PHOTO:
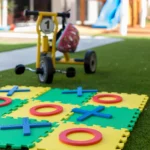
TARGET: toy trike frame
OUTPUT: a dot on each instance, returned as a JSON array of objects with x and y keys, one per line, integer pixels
[{"x": 45, "y": 65}]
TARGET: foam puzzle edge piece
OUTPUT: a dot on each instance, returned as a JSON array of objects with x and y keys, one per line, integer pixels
[{"x": 143, "y": 103}]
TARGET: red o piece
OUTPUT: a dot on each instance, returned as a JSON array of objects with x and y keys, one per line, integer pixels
[
  {"x": 34, "y": 109},
  {"x": 97, "y": 137},
  {"x": 7, "y": 101},
  {"x": 98, "y": 100}
]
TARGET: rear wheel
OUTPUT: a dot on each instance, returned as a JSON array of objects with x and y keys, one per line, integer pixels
[
  {"x": 90, "y": 62},
  {"x": 47, "y": 70}
]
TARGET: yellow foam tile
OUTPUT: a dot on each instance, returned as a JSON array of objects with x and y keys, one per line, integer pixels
[
  {"x": 113, "y": 139},
  {"x": 34, "y": 91},
  {"x": 129, "y": 100},
  {"x": 24, "y": 111}
]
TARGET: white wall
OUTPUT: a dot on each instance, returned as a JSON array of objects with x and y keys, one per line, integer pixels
[
  {"x": 72, "y": 4},
  {"x": 4, "y": 13},
  {"x": 57, "y": 5},
  {"x": 0, "y": 13},
  {"x": 124, "y": 17},
  {"x": 143, "y": 14},
  {"x": 148, "y": 13},
  {"x": 93, "y": 11}
]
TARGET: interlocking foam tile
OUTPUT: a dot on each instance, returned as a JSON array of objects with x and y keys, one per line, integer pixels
[
  {"x": 12, "y": 106},
  {"x": 113, "y": 139},
  {"x": 56, "y": 95},
  {"x": 115, "y": 131},
  {"x": 15, "y": 137},
  {"x": 121, "y": 117},
  {"x": 34, "y": 91},
  {"x": 25, "y": 111},
  {"x": 129, "y": 100}
]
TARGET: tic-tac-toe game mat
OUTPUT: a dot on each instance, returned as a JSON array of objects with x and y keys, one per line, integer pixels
[{"x": 41, "y": 118}]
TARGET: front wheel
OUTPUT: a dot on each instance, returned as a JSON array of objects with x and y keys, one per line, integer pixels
[
  {"x": 90, "y": 62},
  {"x": 47, "y": 70}
]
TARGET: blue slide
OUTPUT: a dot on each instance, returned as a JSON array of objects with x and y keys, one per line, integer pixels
[{"x": 109, "y": 15}]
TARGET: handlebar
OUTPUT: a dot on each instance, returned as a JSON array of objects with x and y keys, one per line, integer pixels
[
  {"x": 64, "y": 15},
  {"x": 31, "y": 13},
  {"x": 36, "y": 13}
]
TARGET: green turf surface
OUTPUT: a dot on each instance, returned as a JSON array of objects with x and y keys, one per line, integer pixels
[
  {"x": 132, "y": 37},
  {"x": 10, "y": 47},
  {"x": 122, "y": 67}
]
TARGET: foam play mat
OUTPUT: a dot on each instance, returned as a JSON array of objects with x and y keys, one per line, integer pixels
[{"x": 41, "y": 118}]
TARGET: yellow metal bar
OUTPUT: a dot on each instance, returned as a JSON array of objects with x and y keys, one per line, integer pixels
[
  {"x": 66, "y": 55},
  {"x": 54, "y": 41},
  {"x": 41, "y": 15},
  {"x": 45, "y": 45},
  {"x": 71, "y": 61},
  {"x": 47, "y": 14},
  {"x": 38, "y": 41}
]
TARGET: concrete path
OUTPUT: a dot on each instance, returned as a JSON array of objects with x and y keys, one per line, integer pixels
[{"x": 9, "y": 60}]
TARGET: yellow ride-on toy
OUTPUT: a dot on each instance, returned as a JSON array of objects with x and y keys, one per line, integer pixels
[{"x": 65, "y": 40}]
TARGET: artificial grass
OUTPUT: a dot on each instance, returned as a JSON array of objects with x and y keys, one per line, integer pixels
[
  {"x": 9, "y": 47},
  {"x": 111, "y": 35},
  {"x": 122, "y": 67}
]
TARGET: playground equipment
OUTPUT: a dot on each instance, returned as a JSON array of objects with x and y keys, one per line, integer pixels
[
  {"x": 112, "y": 13},
  {"x": 65, "y": 41},
  {"x": 109, "y": 15},
  {"x": 125, "y": 13}
]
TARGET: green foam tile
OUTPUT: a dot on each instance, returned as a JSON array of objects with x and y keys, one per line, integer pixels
[
  {"x": 121, "y": 117},
  {"x": 15, "y": 137},
  {"x": 54, "y": 95},
  {"x": 12, "y": 106}
]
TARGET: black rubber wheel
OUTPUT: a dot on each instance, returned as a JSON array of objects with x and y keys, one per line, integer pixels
[
  {"x": 70, "y": 72},
  {"x": 48, "y": 70},
  {"x": 90, "y": 62},
  {"x": 19, "y": 69}
]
